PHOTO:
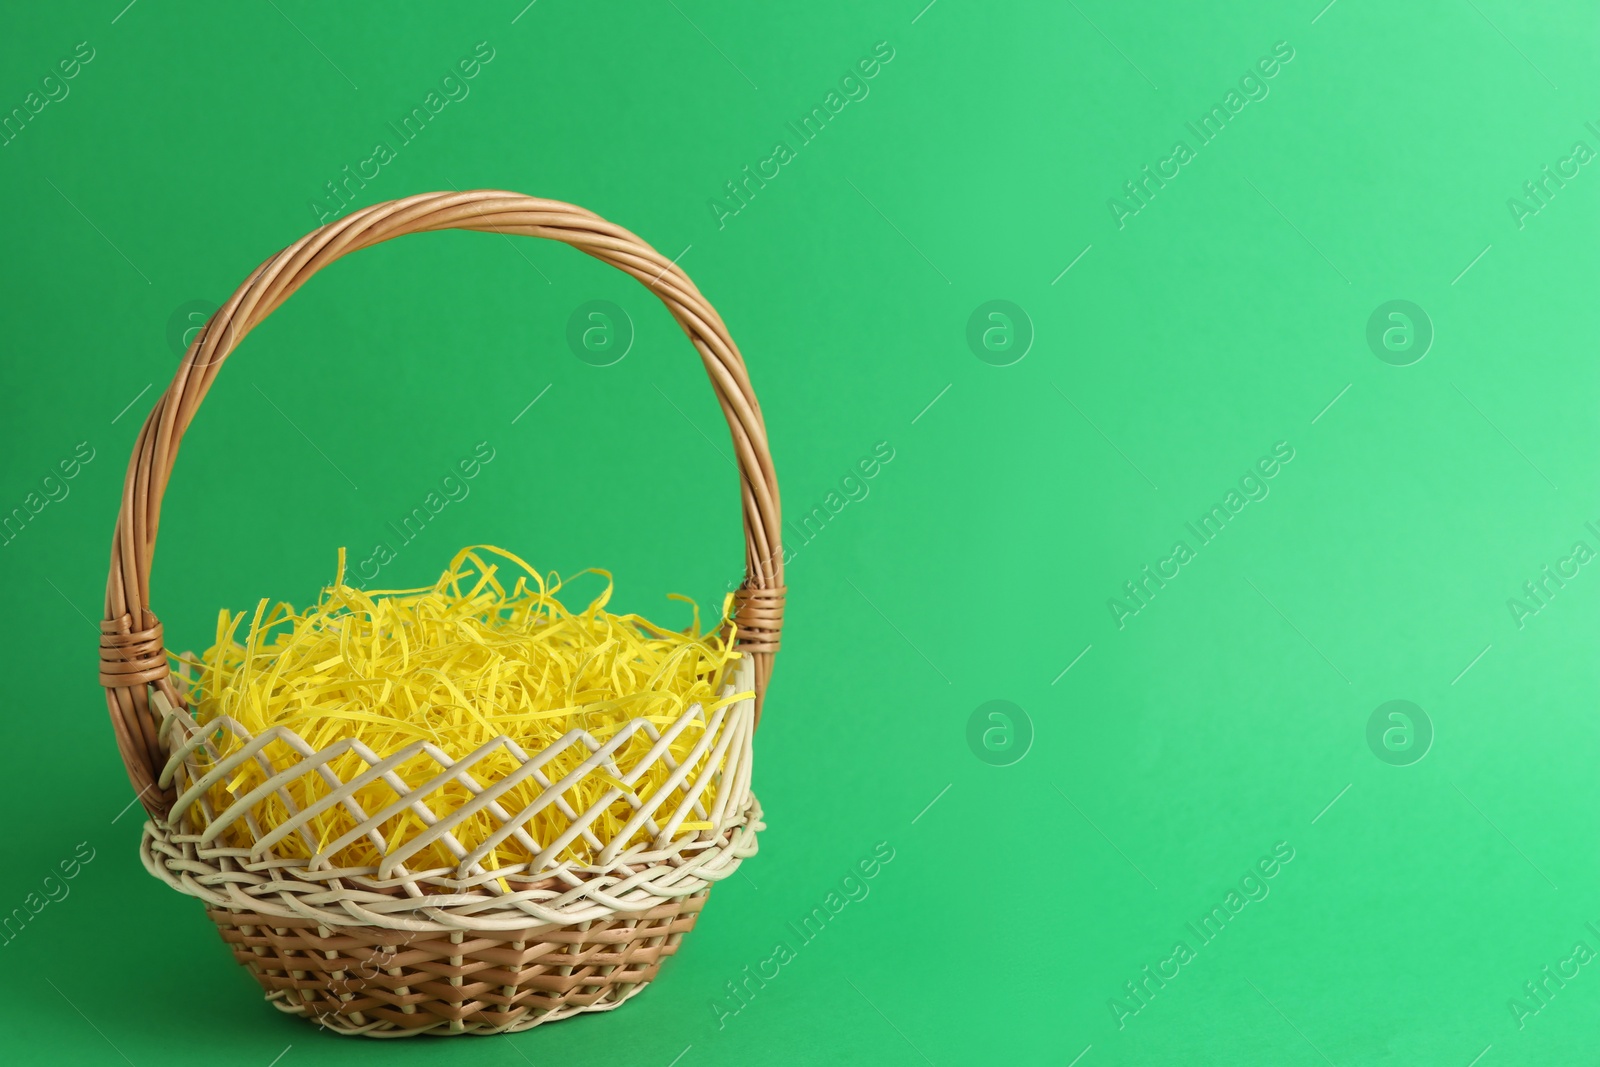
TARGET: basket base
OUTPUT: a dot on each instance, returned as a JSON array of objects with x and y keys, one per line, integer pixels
[{"x": 378, "y": 982}]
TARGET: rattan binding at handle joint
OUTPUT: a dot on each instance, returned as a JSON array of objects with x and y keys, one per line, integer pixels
[{"x": 132, "y": 658}]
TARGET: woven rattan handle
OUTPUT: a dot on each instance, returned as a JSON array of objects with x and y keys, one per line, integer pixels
[{"x": 132, "y": 656}]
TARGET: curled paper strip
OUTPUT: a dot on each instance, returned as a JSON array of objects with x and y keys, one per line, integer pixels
[{"x": 466, "y": 726}]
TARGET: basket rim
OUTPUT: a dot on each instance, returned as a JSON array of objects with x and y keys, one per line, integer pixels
[{"x": 339, "y": 899}]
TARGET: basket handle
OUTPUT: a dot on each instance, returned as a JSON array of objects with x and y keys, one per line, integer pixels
[{"x": 132, "y": 655}]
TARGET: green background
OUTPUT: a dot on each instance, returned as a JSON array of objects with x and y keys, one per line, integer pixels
[{"x": 1229, "y": 715}]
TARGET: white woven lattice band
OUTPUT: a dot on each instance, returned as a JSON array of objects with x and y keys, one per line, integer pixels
[{"x": 186, "y": 850}]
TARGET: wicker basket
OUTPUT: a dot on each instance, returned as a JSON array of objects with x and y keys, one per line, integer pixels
[{"x": 392, "y": 951}]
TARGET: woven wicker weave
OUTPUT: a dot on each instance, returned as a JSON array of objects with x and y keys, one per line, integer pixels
[{"x": 392, "y": 951}]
